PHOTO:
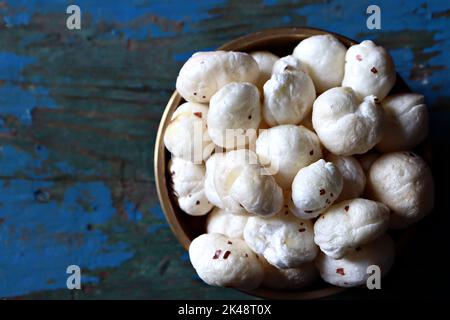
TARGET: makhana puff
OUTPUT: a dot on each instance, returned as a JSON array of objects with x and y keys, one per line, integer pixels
[
  {"x": 287, "y": 149},
  {"x": 210, "y": 187},
  {"x": 188, "y": 184},
  {"x": 288, "y": 63},
  {"x": 315, "y": 188},
  {"x": 284, "y": 240},
  {"x": 206, "y": 72},
  {"x": 352, "y": 174},
  {"x": 265, "y": 61},
  {"x": 242, "y": 184},
  {"x": 402, "y": 181},
  {"x": 234, "y": 115},
  {"x": 406, "y": 122},
  {"x": 369, "y": 70},
  {"x": 349, "y": 224},
  {"x": 227, "y": 223},
  {"x": 344, "y": 125},
  {"x": 352, "y": 270},
  {"x": 288, "y": 97},
  {"x": 227, "y": 262},
  {"x": 186, "y": 136},
  {"x": 324, "y": 56}
]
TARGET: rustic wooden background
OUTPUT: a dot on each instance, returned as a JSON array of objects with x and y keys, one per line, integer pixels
[{"x": 79, "y": 112}]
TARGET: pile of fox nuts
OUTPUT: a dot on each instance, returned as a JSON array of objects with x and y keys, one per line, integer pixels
[{"x": 302, "y": 163}]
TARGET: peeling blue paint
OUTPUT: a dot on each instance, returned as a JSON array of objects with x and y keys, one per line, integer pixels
[
  {"x": 20, "y": 102},
  {"x": 21, "y": 19},
  {"x": 133, "y": 213},
  {"x": 157, "y": 212},
  {"x": 15, "y": 99},
  {"x": 187, "y": 12},
  {"x": 11, "y": 65},
  {"x": 39, "y": 240},
  {"x": 154, "y": 228}
]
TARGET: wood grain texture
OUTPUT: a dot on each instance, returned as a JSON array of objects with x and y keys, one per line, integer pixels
[{"x": 79, "y": 112}]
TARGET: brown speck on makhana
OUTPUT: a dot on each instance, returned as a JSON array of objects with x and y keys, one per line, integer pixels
[
  {"x": 301, "y": 230},
  {"x": 226, "y": 254},
  {"x": 340, "y": 271},
  {"x": 229, "y": 242},
  {"x": 322, "y": 192},
  {"x": 217, "y": 254},
  {"x": 311, "y": 152},
  {"x": 346, "y": 208},
  {"x": 198, "y": 202},
  {"x": 374, "y": 70}
]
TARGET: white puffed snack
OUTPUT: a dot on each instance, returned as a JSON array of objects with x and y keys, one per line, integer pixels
[
  {"x": 402, "y": 181},
  {"x": 287, "y": 149},
  {"x": 206, "y": 72},
  {"x": 352, "y": 174},
  {"x": 406, "y": 122},
  {"x": 226, "y": 262},
  {"x": 288, "y": 63},
  {"x": 242, "y": 184},
  {"x": 188, "y": 180},
  {"x": 288, "y": 97},
  {"x": 315, "y": 188},
  {"x": 369, "y": 70},
  {"x": 349, "y": 224},
  {"x": 324, "y": 56},
  {"x": 293, "y": 278},
  {"x": 210, "y": 187},
  {"x": 234, "y": 115},
  {"x": 344, "y": 125},
  {"x": 227, "y": 223},
  {"x": 265, "y": 61},
  {"x": 353, "y": 269},
  {"x": 186, "y": 136},
  {"x": 221, "y": 170},
  {"x": 284, "y": 240}
]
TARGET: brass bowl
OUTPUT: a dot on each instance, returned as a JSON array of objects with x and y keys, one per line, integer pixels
[{"x": 281, "y": 42}]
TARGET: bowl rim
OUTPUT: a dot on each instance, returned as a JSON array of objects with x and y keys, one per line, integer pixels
[{"x": 160, "y": 160}]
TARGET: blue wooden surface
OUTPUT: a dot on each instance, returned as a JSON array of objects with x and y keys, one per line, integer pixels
[{"x": 79, "y": 112}]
